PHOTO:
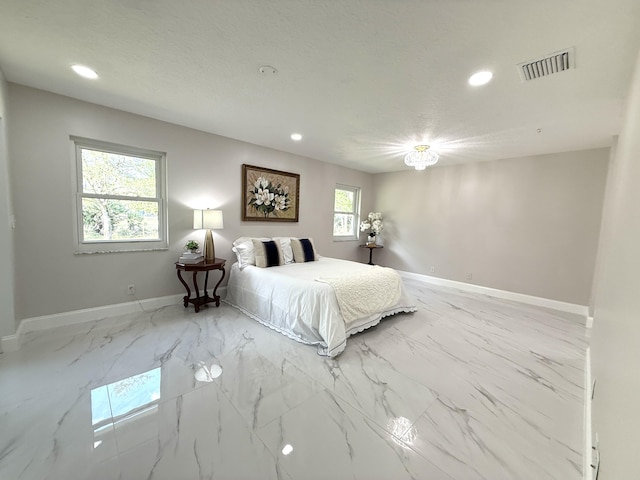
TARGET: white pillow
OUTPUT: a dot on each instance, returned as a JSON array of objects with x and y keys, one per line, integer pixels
[
  {"x": 244, "y": 254},
  {"x": 243, "y": 248},
  {"x": 240, "y": 240},
  {"x": 285, "y": 246}
]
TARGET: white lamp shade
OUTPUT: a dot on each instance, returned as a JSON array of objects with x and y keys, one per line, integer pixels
[{"x": 207, "y": 219}]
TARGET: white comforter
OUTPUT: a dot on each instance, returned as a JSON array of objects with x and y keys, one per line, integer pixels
[{"x": 290, "y": 300}]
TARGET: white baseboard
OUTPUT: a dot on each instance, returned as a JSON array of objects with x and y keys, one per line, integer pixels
[
  {"x": 493, "y": 292},
  {"x": 11, "y": 343}
]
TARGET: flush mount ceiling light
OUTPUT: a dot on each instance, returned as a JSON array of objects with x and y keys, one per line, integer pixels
[
  {"x": 296, "y": 136},
  {"x": 84, "y": 71},
  {"x": 480, "y": 78},
  {"x": 421, "y": 157}
]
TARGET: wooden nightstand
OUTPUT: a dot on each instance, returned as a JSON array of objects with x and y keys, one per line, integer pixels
[
  {"x": 198, "y": 300},
  {"x": 371, "y": 247}
]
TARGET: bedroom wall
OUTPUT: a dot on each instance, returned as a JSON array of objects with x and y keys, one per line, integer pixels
[
  {"x": 7, "y": 318},
  {"x": 606, "y": 232},
  {"x": 616, "y": 331},
  {"x": 204, "y": 170},
  {"x": 527, "y": 225}
]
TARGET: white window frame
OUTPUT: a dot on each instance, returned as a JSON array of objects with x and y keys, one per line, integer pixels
[
  {"x": 111, "y": 246},
  {"x": 355, "y": 212}
]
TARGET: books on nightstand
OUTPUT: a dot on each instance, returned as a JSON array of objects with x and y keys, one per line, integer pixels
[
  {"x": 190, "y": 260},
  {"x": 189, "y": 257}
]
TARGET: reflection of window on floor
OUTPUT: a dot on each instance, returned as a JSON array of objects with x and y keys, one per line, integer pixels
[{"x": 117, "y": 404}]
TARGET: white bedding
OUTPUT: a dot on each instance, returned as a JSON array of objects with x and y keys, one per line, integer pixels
[
  {"x": 290, "y": 300},
  {"x": 365, "y": 293}
]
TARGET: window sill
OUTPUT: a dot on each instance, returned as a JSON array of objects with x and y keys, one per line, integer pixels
[{"x": 159, "y": 249}]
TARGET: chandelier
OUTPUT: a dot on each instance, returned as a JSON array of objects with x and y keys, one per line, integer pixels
[{"x": 421, "y": 157}]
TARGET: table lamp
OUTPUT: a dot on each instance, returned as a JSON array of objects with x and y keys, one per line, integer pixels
[{"x": 208, "y": 219}]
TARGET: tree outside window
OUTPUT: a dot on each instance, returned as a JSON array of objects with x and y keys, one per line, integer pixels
[
  {"x": 345, "y": 216},
  {"x": 121, "y": 195}
]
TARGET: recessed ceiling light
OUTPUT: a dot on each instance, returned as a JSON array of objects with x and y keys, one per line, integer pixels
[
  {"x": 267, "y": 70},
  {"x": 296, "y": 136},
  {"x": 480, "y": 78},
  {"x": 84, "y": 71}
]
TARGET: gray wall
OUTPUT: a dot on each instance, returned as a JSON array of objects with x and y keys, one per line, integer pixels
[
  {"x": 7, "y": 318},
  {"x": 204, "y": 170},
  {"x": 527, "y": 225},
  {"x": 616, "y": 331}
]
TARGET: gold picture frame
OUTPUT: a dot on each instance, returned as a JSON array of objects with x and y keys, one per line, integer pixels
[{"x": 269, "y": 195}]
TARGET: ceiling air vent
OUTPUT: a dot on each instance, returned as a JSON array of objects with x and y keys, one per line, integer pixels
[{"x": 551, "y": 64}]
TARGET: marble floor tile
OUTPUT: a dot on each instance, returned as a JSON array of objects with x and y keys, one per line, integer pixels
[
  {"x": 468, "y": 387},
  {"x": 53, "y": 437},
  {"x": 260, "y": 391},
  {"x": 549, "y": 406},
  {"x": 367, "y": 382},
  {"x": 330, "y": 439},
  {"x": 472, "y": 445},
  {"x": 197, "y": 435}
]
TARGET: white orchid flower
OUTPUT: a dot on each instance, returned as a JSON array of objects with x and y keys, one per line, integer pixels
[{"x": 364, "y": 225}]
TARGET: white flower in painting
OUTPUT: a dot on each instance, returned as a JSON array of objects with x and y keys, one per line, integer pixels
[
  {"x": 280, "y": 202},
  {"x": 261, "y": 182},
  {"x": 268, "y": 197},
  {"x": 264, "y": 197}
]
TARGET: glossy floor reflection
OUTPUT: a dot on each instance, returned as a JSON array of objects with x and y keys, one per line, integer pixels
[{"x": 469, "y": 387}]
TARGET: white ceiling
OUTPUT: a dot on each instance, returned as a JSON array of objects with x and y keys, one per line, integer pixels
[{"x": 362, "y": 80}]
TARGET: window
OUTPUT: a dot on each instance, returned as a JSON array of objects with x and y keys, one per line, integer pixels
[
  {"x": 120, "y": 199},
  {"x": 345, "y": 213}
]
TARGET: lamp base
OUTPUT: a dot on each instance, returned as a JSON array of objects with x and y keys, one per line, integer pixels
[{"x": 209, "y": 249}]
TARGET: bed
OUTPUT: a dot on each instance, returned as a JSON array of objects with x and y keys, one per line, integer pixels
[{"x": 318, "y": 302}]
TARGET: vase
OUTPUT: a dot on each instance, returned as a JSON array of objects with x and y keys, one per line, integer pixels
[{"x": 371, "y": 239}]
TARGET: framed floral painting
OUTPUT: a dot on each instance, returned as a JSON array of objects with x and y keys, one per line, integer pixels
[{"x": 269, "y": 195}]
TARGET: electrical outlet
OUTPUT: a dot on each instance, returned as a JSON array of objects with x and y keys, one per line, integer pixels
[
  {"x": 131, "y": 290},
  {"x": 433, "y": 269},
  {"x": 469, "y": 276}
]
